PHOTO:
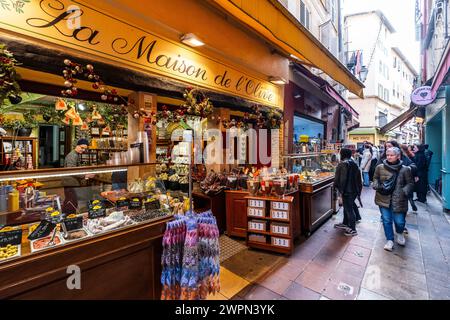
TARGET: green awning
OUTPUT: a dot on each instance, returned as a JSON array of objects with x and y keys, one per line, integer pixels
[{"x": 363, "y": 131}]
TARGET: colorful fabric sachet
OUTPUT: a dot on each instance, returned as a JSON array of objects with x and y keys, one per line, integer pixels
[{"x": 190, "y": 259}]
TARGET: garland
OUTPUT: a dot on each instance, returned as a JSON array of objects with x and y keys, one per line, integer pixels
[
  {"x": 196, "y": 104},
  {"x": 9, "y": 87},
  {"x": 73, "y": 69},
  {"x": 264, "y": 120}
]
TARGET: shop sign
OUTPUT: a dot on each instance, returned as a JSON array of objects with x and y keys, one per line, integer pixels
[
  {"x": 78, "y": 26},
  {"x": 362, "y": 138},
  {"x": 422, "y": 96},
  {"x": 10, "y": 236},
  {"x": 73, "y": 223},
  {"x": 43, "y": 229}
]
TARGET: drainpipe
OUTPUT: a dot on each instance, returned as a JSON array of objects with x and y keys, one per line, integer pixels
[
  {"x": 446, "y": 19},
  {"x": 340, "y": 33}
]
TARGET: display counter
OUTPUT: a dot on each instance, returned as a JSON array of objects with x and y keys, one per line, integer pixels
[
  {"x": 124, "y": 264},
  {"x": 316, "y": 172},
  {"x": 316, "y": 200},
  {"x": 65, "y": 228}
]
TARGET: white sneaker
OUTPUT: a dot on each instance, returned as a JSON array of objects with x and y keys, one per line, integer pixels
[
  {"x": 389, "y": 245},
  {"x": 401, "y": 239}
]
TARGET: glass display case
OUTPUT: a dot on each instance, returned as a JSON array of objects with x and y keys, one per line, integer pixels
[
  {"x": 42, "y": 210},
  {"x": 312, "y": 167}
]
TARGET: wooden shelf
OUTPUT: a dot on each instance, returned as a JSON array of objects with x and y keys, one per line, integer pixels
[
  {"x": 275, "y": 199},
  {"x": 292, "y": 206},
  {"x": 269, "y": 246},
  {"x": 268, "y": 233},
  {"x": 269, "y": 218}
]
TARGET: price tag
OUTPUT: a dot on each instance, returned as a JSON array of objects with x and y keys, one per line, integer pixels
[
  {"x": 95, "y": 213},
  {"x": 135, "y": 204},
  {"x": 256, "y": 203},
  {"x": 10, "y": 236},
  {"x": 281, "y": 242},
  {"x": 283, "y": 215},
  {"x": 122, "y": 202},
  {"x": 256, "y": 226},
  {"x": 280, "y": 206},
  {"x": 280, "y": 229},
  {"x": 152, "y": 204},
  {"x": 73, "y": 223},
  {"x": 254, "y": 212},
  {"x": 42, "y": 230}
]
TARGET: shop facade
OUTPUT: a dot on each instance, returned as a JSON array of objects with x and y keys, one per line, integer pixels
[
  {"x": 436, "y": 136},
  {"x": 151, "y": 69},
  {"x": 120, "y": 200}
]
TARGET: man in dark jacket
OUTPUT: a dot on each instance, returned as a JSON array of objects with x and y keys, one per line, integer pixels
[
  {"x": 421, "y": 185},
  {"x": 349, "y": 184}
]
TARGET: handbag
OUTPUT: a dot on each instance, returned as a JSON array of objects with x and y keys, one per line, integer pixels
[{"x": 388, "y": 185}]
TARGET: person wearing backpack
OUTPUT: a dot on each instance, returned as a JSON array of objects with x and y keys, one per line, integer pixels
[
  {"x": 393, "y": 183},
  {"x": 348, "y": 182}
]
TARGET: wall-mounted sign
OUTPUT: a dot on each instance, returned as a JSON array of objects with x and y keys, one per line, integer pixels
[
  {"x": 78, "y": 26},
  {"x": 422, "y": 96}
]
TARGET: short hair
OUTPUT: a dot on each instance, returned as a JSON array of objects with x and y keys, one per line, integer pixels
[
  {"x": 82, "y": 142},
  {"x": 395, "y": 150},
  {"x": 394, "y": 143},
  {"x": 346, "y": 153}
]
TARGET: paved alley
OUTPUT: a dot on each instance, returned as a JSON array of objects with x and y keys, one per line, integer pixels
[{"x": 329, "y": 265}]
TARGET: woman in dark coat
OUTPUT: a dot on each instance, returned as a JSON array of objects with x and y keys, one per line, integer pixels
[{"x": 421, "y": 185}]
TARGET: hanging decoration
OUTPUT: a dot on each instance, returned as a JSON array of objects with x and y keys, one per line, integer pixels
[
  {"x": 9, "y": 86},
  {"x": 271, "y": 119},
  {"x": 60, "y": 105},
  {"x": 196, "y": 104}
]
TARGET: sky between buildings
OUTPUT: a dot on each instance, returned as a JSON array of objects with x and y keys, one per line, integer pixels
[{"x": 401, "y": 14}]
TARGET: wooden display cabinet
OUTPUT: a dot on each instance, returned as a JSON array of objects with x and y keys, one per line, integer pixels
[
  {"x": 236, "y": 212},
  {"x": 317, "y": 204},
  {"x": 277, "y": 219}
]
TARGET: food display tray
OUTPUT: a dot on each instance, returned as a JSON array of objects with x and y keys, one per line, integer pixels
[
  {"x": 18, "y": 254},
  {"x": 58, "y": 234}
]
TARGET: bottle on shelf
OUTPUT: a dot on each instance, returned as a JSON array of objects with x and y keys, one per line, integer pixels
[
  {"x": 13, "y": 200},
  {"x": 3, "y": 199}
]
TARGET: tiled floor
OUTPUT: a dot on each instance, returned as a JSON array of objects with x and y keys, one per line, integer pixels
[{"x": 329, "y": 265}]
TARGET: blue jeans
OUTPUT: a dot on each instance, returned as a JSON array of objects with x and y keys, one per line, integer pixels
[
  {"x": 388, "y": 217},
  {"x": 366, "y": 179}
]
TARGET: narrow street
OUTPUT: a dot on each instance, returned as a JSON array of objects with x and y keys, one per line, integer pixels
[{"x": 330, "y": 265}]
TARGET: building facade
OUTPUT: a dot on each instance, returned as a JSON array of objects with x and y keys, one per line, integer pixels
[
  {"x": 305, "y": 100},
  {"x": 433, "y": 30},
  {"x": 389, "y": 82}
]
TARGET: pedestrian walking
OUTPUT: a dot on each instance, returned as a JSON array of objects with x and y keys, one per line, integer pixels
[
  {"x": 348, "y": 183},
  {"x": 428, "y": 157},
  {"x": 428, "y": 154},
  {"x": 407, "y": 159},
  {"x": 374, "y": 161},
  {"x": 421, "y": 185},
  {"x": 365, "y": 164},
  {"x": 393, "y": 183}
]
